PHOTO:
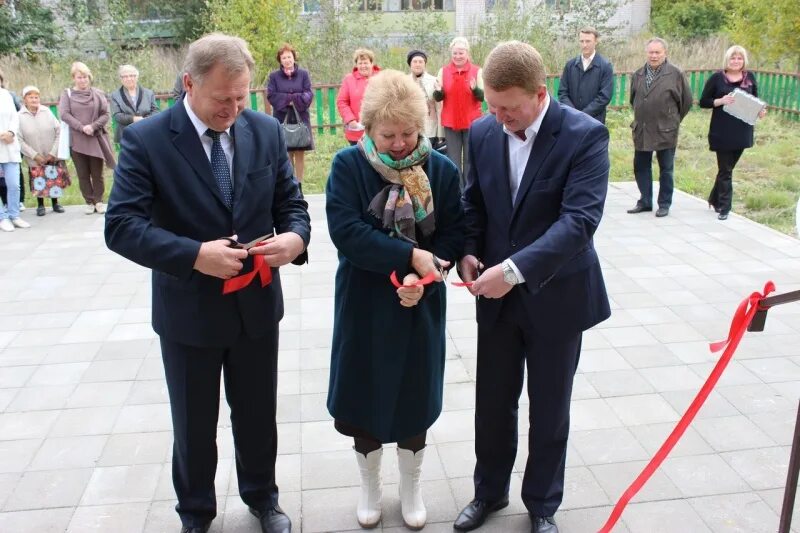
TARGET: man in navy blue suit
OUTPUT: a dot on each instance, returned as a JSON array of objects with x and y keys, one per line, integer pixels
[
  {"x": 533, "y": 200},
  {"x": 191, "y": 184}
]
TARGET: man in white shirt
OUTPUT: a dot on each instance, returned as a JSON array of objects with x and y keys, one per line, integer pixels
[{"x": 533, "y": 199}]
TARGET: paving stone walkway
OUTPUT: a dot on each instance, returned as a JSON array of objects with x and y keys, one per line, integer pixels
[{"x": 85, "y": 438}]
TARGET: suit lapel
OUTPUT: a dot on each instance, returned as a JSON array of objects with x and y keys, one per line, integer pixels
[
  {"x": 545, "y": 139},
  {"x": 242, "y": 149},
  {"x": 188, "y": 144},
  {"x": 497, "y": 144}
]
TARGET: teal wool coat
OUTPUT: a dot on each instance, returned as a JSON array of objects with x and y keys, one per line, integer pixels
[{"x": 387, "y": 361}]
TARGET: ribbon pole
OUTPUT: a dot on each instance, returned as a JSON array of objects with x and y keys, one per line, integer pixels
[{"x": 741, "y": 319}]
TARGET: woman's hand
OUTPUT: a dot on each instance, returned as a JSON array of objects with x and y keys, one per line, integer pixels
[
  {"x": 725, "y": 100},
  {"x": 762, "y": 113},
  {"x": 410, "y": 296},
  {"x": 7, "y": 137},
  {"x": 88, "y": 129},
  {"x": 423, "y": 262},
  {"x": 40, "y": 159}
]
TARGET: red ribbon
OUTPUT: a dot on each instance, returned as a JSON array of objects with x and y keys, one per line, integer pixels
[
  {"x": 427, "y": 280},
  {"x": 741, "y": 320},
  {"x": 461, "y": 283},
  {"x": 260, "y": 268}
]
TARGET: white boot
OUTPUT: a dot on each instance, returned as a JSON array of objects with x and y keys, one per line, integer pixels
[
  {"x": 369, "y": 503},
  {"x": 410, "y": 463}
]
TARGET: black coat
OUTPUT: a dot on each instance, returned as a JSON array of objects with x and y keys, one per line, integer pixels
[
  {"x": 726, "y": 133},
  {"x": 589, "y": 91}
]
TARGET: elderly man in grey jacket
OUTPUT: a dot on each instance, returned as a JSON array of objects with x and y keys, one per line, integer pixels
[{"x": 661, "y": 97}]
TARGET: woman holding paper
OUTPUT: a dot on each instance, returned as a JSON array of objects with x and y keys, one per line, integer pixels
[
  {"x": 728, "y": 136},
  {"x": 393, "y": 207}
]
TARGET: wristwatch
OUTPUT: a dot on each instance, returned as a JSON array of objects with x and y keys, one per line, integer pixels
[{"x": 509, "y": 276}]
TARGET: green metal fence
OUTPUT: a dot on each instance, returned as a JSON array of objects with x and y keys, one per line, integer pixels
[{"x": 781, "y": 90}]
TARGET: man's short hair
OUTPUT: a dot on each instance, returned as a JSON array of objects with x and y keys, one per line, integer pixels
[
  {"x": 658, "y": 40},
  {"x": 590, "y": 29},
  {"x": 514, "y": 64},
  {"x": 217, "y": 48},
  {"x": 392, "y": 96}
]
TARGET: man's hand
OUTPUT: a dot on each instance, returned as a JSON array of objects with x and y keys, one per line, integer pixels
[
  {"x": 469, "y": 269},
  {"x": 491, "y": 284},
  {"x": 88, "y": 129},
  {"x": 422, "y": 262},
  {"x": 218, "y": 259},
  {"x": 410, "y": 296},
  {"x": 281, "y": 249},
  {"x": 137, "y": 118}
]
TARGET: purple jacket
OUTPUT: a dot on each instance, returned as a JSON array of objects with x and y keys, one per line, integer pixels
[{"x": 282, "y": 89}]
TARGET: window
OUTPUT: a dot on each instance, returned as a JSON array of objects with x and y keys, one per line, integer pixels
[
  {"x": 422, "y": 5},
  {"x": 369, "y": 5},
  {"x": 310, "y": 6}
]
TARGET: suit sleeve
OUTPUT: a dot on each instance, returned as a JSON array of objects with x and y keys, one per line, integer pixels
[
  {"x": 581, "y": 210},
  {"x": 563, "y": 87},
  {"x": 473, "y": 204},
  {"x": 602, "y": 99},
  {"x": 129, "y": 230},
  {"x": 289, "y": 209},
  {"x": 361, "y": 243}
]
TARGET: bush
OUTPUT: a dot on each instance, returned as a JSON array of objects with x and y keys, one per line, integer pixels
[{"x": 689, "y": 18}]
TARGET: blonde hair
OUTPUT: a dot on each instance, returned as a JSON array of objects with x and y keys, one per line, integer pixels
[
  {"x": 459, "y": 42},
  {"x": 80, "y": 68},
  {"x": 514, "y": 64},
  {"x": 735, "y": 49},
  {"x": 363, "y": 53},
  {"x": 127, "y": 69},
  {"x": 217, "y": 48},
  {"x": 392, "y": 96}
]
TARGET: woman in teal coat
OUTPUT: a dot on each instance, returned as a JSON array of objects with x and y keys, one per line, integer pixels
[{"x": 393, "y": 206}]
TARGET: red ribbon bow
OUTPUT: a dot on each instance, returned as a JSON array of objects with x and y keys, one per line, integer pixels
[
  {"x": 260, "y": 268},
  {"x": 427, "y": 280},
  {"x": 741, "y": 320}
]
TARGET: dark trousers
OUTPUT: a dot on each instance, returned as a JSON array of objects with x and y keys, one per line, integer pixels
[
  {"x": 4, "y": 189},
  {"x": 504, "y": 349},
  {"x": 90, "y": 176},
  {"x": 250, "y": 374},
  {"x": 643, "y": 170},
  {"x": 721, "y": 196}
]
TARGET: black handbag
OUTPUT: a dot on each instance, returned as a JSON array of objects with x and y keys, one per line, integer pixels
[{"x": 298, "y": 136}]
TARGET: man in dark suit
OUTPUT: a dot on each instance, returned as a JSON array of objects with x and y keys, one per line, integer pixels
[
  {"x": 587, "y": 83},
  {"x": 531, "y": 214},
  {"x": 187, "y": 178}
]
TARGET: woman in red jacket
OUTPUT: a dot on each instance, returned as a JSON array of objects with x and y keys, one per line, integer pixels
[
  {"x": 460, "y": 89},
  {"x": 352, "y": 91}
]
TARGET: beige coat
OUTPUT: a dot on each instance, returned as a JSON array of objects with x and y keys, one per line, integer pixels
[
  {"x": 38, "y": 134},
  {"x": 659, "y": 110},
  {"x": 432, "y": 125}
]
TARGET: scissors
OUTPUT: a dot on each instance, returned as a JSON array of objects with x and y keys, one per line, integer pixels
[{"x": 233, "y": 243}]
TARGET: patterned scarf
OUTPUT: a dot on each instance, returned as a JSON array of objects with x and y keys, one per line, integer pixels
[
  {"x": 406, "y": 203},
  {"x": 745, "y": 82},
  {"x": 650, "y": 73}
]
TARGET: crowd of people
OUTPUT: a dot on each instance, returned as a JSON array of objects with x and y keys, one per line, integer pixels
[{"x": 513, "y": 206}]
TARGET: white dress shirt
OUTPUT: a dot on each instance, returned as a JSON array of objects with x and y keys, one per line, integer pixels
[
  {"x": 519, "y": 152},
  {"x": 587, "y": 61},
  {"x": 225, "y": 138}
]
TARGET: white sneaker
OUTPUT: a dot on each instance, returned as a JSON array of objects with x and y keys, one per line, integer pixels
[
  {"x": 21, "y": 206},
  {"x": 100, "y": 208},
  {"x": 90, "y": 209},
  {"x": 18, "y": 222},
  {"x": 6, "y": 225}
]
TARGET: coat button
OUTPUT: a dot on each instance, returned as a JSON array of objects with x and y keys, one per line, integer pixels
[{"x": 513, "y": 244}]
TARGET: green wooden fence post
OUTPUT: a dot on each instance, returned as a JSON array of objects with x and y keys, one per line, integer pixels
[
  {"x": 332, "y": 108},
  {"x": 320, "y": 111},
  {"x": 254, "y": 101}
]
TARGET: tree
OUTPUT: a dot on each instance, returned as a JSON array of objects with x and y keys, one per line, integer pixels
[
  {"x": 689, "y": 18},
  {"x": 768, "y": 29},
  {"x": 264, "y": 24},
  {"x": 26, "y": 28}
]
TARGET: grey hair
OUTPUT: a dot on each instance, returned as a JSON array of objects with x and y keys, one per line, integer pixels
[
  {"x": 658, "y": 40},
  {"x": 127, "y": 68},
  {"x": 217, "y": 48}
]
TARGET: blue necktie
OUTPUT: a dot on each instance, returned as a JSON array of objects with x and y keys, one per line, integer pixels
[{"x": 220, "y": 168}]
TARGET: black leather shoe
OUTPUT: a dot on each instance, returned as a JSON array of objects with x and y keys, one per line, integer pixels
[
  {"x": 662, "y": 212},
  {"x": 40, "y": 211},
  {"x": 474, "y": 515},
  {"x": 639, "y": 208},
  {"x": 201, "y": 529},
  {"x": 543, "y": 524},
  {"x": 57, "y": 208},
  {"x": 723, "y": 216},
  {"x": 273, "y": 520}
]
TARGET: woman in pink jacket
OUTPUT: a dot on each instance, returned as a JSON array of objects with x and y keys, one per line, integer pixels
[{"x": 352, "y": 91}]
